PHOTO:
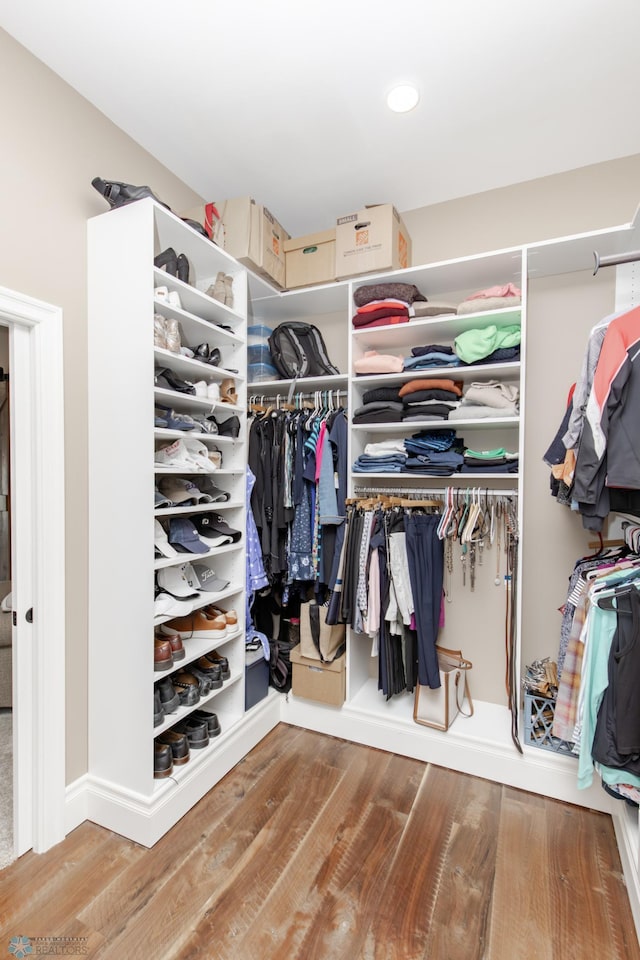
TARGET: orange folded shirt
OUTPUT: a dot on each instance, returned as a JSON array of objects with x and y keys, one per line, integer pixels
[{"x": 414, "y": 385}]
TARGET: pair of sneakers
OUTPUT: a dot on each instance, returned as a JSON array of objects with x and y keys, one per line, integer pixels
[
  {"x": 209, "y": 391},
  {"x": 222, "y": 289},
  {"x": 166, "y": 333}
]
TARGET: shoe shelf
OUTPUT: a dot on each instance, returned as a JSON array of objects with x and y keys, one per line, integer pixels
[
  {"x": 230, "y": 719},
  {"x": 194, "y": 648},
  {"x": 207, "y": 321},
  {"x": 199, "y": 508},
  {"x": 182, "y": 712},
  {"x": 191, "y": 369},
  {"x": 186, "y": 401},
  {"x": 231, "y": 591},
  {"x": 162, "y": 433},
  {"x": 186, "y": 557}
]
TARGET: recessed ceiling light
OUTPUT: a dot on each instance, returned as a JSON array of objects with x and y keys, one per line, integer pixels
[{"x": 402, "y": 98}]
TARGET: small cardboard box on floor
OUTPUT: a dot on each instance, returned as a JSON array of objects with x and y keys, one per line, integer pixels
[
  {"x": 310, "y": 259},
  {"x": 249, "y": 232},
  {"x": 314, "y": 680},
  {"x": 370, "y": 241}
]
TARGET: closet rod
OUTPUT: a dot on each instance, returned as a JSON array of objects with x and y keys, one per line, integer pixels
[
  {"x": 613, "y": 261},
  {"x": 432, "y": 490}
]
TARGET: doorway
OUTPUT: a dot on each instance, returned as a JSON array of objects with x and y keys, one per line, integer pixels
[{"x": 37, "y": 562}]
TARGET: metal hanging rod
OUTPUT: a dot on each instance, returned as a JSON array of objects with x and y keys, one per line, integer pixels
[
  {"x": 613, "y": 260},
  {"x": 439, "y": 491}
]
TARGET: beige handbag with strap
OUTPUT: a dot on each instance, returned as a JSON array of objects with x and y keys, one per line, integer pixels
[{"x": 438, "y": 708}]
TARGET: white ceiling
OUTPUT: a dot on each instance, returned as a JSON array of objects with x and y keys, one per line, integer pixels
[{"x": 285, "y": 99}]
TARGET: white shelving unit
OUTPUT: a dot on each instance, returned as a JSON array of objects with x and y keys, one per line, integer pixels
[{"x": 123, "y": 794}]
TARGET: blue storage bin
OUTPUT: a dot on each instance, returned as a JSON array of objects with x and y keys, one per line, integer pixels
[
  {"x": 256, "y": 678},
  {"x": 262, "y": 373},
  {"x": 258, "y": 333},
  {"x": 259, "y": 353}
]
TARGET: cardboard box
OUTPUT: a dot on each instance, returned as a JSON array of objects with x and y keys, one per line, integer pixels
[
  {"x": 314, "y": 680},
  {"x": 249, "y": 232},
  {"x": 370, "y": 241},
  {"x": 311, "y": 259}
]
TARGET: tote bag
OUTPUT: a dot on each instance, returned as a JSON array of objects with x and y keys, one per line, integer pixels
[
  {"x": 319, "y": 640},
  {"x": 439, "y": 708}
]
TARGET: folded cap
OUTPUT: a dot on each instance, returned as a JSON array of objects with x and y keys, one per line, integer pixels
[
  {"x": 178, "y": 581},
  {"x": 161, "y": 541},
  {"x": 161, "y": 501},
  {"x": 166, "y": 605},
  {"x": 215, "y": 530},
  {"x": 184, "y": 536},
  {"x": 212, "y": 493},
  {"x": 204, "y": 578},
  {"x": 180, "y": 490}
]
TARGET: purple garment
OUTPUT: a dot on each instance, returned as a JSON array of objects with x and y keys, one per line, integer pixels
[{"x": 256, "y": 576}]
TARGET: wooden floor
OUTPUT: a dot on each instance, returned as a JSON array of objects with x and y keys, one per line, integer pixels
[{"x": 314, "y": 847}]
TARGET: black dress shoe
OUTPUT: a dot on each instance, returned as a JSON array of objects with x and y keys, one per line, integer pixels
[
  {"x": 183, "y": 268},
  {"x": 211, "y": 720},
  {"x": 179, "y": 744},
  {"x": 196, "y": 731},
  {"x": 162, "y": 760},
  {"x": 209, "y": 680},
  {"x": 168, "y": 261},
  {"x": 168, "y": 697},
  {"x": 158, "y": 709},
  {"x": 212, "y": 669},
  {"x": 216, "y": 660},
  {"x": 168, "y": 381},
  {"x": 188, "y": 688}
]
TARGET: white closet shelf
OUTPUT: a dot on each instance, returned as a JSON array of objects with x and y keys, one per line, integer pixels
[
  {"x": 162, "y": 562},
  {"x": 195, "y": 301},
  {"x": 187, "y": 401},
  {"x": 190, "y": 368},
  {"x": 432, "y": 329},
  {"x": 199, "y": 508},
  {"x": 468, "y": 478},
  {"x": 181, "y": 472},
  {"x": 163, "y": 433},
  {"x": 503, "y": 371},
  {"x": 172, "y": 718},
  {"x": 302, "y": 384},
  {"x": 405, "y": 426},
  {"x": 205, "y": 322},
  {"x": 194, "y": 648},
  {"x": 216, "y": 598},
  {"x": 274, "y": 306}
]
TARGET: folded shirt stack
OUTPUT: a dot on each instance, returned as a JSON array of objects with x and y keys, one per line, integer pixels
[
  {"x": 436, "y": 453},
  {"x": 379, "y": 411},
  {"x": 405, "y": 292},
  {"x": 382, "y": 463},
  {"x": 479, "y": 343},
  {"x": 432, "y": 355},
  {"x": 430, "y": 399},
  {"x": 487, "y": 400},
  {"x": 379, "y": 313},
  {"x": 493, "y": 298},
  {"x": 490, "y": 461}
]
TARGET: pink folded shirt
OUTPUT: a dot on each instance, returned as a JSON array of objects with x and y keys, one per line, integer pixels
[
  {"x": 374, "y": 362},
  {"x": 508, "y": 290}
]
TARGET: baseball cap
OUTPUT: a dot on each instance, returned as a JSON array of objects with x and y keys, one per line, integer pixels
[
  {"x": 162, "y": 542},
  {"x": 181, "y": 490},
  {"x": 184, "y": 536},
  {"x": 161, "y": 501},
  {"x": 178, "y": 581},
  {"x": 204, "y": 578},
  {"x": 211, "y": 491},
  {"x": 215, "y": 530}
]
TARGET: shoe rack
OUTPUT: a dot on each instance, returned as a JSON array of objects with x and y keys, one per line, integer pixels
[{"x": 128, "y": 292}]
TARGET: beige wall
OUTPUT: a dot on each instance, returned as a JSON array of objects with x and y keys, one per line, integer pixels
[
  {"x": 600, "y": 195},
  {"x": 53, "y": 144}
]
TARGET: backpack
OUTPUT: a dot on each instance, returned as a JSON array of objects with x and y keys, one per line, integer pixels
[{"x": 298, "y": 350}]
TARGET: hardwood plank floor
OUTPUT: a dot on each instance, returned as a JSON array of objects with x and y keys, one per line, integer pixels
[{"x": 314, "y": 847}]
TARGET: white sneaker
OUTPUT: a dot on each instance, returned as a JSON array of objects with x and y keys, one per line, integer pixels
[
  {"x": 213, "y": 391},
  {"x": 168, "y": 296},
  {"x": 201, "y": 388}
]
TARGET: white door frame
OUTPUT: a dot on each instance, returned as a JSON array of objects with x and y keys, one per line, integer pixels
[{"x": 38, "y": 568}]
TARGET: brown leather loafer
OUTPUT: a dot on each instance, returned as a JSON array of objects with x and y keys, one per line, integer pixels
[
  {"x": 162, "y": 655},
  {"x": 162, "y": 760}
]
